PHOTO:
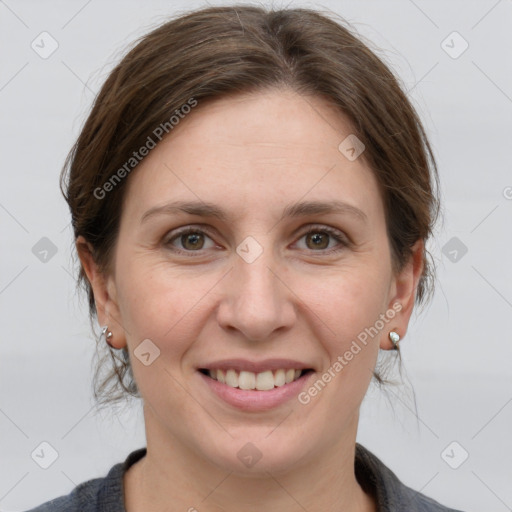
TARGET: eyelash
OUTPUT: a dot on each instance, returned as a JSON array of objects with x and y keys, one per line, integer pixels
[{"x": 334, "y": 233}]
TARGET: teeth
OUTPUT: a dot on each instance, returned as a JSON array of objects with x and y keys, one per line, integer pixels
[
  {"x": 280, "y": 378},
  {"x": 265, "y": 381},
  {"x": 246, "y": 380},
  {"x": 262, "y": 381},
  {"x": 232, "y": 378}
]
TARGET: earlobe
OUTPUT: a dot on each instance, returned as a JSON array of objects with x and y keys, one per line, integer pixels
[{"x": 405, "y": 287}]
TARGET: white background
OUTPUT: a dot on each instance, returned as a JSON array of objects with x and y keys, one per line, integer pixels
[{"x": 457, "y": 354}]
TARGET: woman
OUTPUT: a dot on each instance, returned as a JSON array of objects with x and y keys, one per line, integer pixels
[{"x": 251, "y": 196}]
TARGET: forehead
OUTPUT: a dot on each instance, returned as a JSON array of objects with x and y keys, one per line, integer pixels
[{"x": 251, "y": 151}]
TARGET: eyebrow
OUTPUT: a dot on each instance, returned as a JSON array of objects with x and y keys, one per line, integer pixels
[{"x": 302, "y": 209}]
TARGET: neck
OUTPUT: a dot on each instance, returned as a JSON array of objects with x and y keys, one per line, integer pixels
[{"x": 171, "y": 477}]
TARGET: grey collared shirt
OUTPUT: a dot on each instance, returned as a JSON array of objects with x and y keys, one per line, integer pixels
[{"x": 106, "y": 494}]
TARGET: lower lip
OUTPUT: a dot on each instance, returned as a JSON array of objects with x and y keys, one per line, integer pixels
[{"x": 254, "y": 400}]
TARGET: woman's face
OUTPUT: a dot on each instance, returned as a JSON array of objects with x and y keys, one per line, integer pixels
[{"x": 250, "y": 290}]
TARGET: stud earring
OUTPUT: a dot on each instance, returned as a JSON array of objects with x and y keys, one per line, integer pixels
[
  {"x": 108, "y": 335},
  {"x": 395, "y": 338}
]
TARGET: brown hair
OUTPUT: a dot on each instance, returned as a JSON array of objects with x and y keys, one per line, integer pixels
[{"x": 219, "y": 51}]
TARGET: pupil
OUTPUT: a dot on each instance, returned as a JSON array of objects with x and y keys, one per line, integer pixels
[
  {"x": 317, "y": 239},
  {"x": 193, "y": 237}
]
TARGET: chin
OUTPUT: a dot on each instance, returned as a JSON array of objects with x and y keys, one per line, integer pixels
[{"x": 255, "y": 453}]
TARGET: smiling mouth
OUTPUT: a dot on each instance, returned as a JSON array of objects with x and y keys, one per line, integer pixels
[{"x": 263, "y": 381}]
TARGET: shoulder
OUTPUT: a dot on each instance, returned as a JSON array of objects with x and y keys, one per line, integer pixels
[
  {"x": 82, "y": 498},
  {"x": 99, "y": 494},
  {"x": 390, "y": 493}
]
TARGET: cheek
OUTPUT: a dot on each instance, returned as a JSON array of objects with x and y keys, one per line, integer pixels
[
  {"x": 352, "y": 299},
  {"x": 158, "y": 306},
  {"x": 160, "y": 303},
  {"x": 350, "y": 307}
]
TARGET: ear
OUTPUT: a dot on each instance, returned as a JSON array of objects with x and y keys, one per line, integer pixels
[
  {"x": 403, "y": 291},
  {"x": 104, "y": 292}
]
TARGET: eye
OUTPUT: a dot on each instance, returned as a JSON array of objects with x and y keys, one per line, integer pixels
[
  {"x": 190, "y": 239},
  {"x": 318, "y": 238}
]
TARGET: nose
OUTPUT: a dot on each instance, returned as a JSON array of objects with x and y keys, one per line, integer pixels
[{"x": 256, "y": 299}]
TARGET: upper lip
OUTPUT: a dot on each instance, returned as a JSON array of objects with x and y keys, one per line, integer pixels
[{"x": 255, "y": 366}]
